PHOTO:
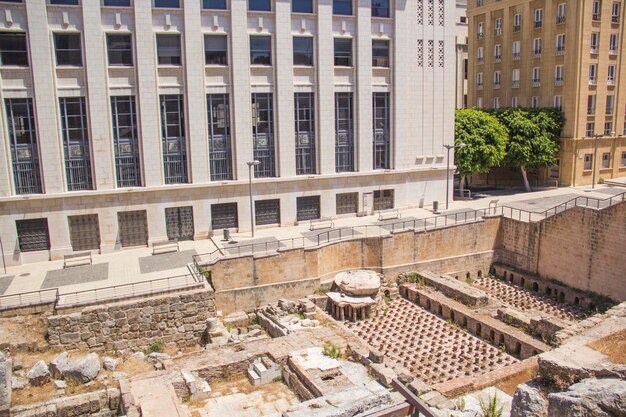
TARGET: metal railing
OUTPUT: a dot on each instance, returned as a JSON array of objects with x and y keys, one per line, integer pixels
[{"x": 27, "y": 299}]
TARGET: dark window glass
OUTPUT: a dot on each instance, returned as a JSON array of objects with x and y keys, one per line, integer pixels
[
  {"x": 380, "y": 8},
  {"x": 342, "y": 7},
  {"x": 120, "y": 49},
  {"x": 68, "y": 50},
  {"x": 304, "y": 106},
  {"x": 215, "y": 50},
  {"x": 13, "y": 50},
  {"x": 260, "y": 5},
  {"x": 220, "y": 154},
  {"x": 382, "y": 137},
  {"x": 302, "y": 6},
  {"x": 308, "y": 208},
  {"x": 302, "y": 50},
  {"x": 174, "y": 4},
  {"x": 117, "y": 3},
  {"x": 260, "y": 50},
  {"x": 263, "y": 135},
  {"x": 343, "y": 52},
  {"x": 23, "y": 145},
  {"x": 380, "y": 53},
  {"x": 173, "y": 136},
  {"x": 125, "y": 141},
  {"x": 344, "y": 133},
  {"x": 214, "y": 4},
  {"x": 11, "y": 1},
  {"x": 168, "y": 49},
  {"x": 65, "y": 2},
  {"x": 76, "y": 143}
]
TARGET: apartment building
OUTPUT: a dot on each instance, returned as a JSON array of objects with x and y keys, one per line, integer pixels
[
  {"x": 127, "y": 122},
  {"x": 462, "y": 61},
  {"x": 557, "y": 53}
]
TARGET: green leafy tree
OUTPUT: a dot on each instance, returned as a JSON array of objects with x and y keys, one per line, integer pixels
[
  {"x": 533, "y": 137},
  {"x": 485, "y": 142}
]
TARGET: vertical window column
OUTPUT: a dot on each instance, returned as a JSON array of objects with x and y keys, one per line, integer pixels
[
  {"x": 220, "y": 149},
  {"x": 263, "y": 135},
  {"x": 173, "y": 136},
  {"x": 76, "y": 143},
  {"x": 344, "y": 133},
  {"x": 125, "y": 141},
  {"x": 23, "y": 146},
  {"x": 304, "y": 105},
  {"x": 382, "y": 135}
]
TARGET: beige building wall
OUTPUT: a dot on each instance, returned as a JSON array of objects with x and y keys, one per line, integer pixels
[
  {"x": 419, "y": 80},
  {"x": 571, "y": 91}
]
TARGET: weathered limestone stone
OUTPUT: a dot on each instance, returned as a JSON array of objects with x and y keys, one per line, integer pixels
[
  {"x": 38, "y": 374},
  {"x": 83, "y": 370},
  {"x": 110, "y": 364},
  {"x": 590, "y": 398},
  {"x": 528, "y": 400},
  {"x": 6, "y": 369},
  {"x": 58, "y": 364},
  {"x": 140, "y": 356},
  {"x": 358, "y": 283}
]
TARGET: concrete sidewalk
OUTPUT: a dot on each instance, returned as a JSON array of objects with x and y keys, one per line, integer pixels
[{"x": 126, "y": 266}]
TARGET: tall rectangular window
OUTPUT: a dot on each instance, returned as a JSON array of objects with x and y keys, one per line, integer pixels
[
  {"x": 23, "y": 145},
  {"x": 609, "y": 105},
  {"x": 561, "y": 13},
  {"x": 173, "y": 137},
  {"x": 517, "y": 22},
  {"x": 560, "y": 44},
  {"x": 611, "y": 75},
  {"x": 116, "y": 3},
  {"x": 220, "y": 148},
  {"x": 590, "y": 130},
  {"x": 344, "y": 133},
  {"x": 168, "y": 49},
  {"x": 120, "y": 49},
  {"x": 382, "y": 131},
  {"x": 613, "y": 44},
  {"x": 67, "y": 47},
  {"x": 606, "y": 160},
  {"x": 615, "y": 12},
  {"x": 125, "y": 141},
  {"x": 64, "y": 2},
  {"x": 558, "y": 102},
  {"x": 76, "y": 143},
  {"x": 595, "y": 42},
  {"x": 215, "y": 50},
  {"x": 380, "y": 53},
  {"x": 260, "y": 50},
  {"x": 342, "y": 7},
  {"x": 343, "y": 52},
  {"x": 537, "y": 47},
  {"x": 538, "y": 18},
  {"x": 304, "y": 106},
  {"x": 517, "y": 50},
  {"x": 302, "y": 6},
  {"x": 169, "y": 4},
  {"x": 380, "y": 8},
  {"x": 593, "y": 74},
  {"x": 33, "y": 235},
  {"x": 214, "y": 4},
  {"x": 260, "y": 5},
  {"x": 595, "y": 10},
  {"x": 13, "y": 49},
  {"x": 591, "y": 105},
  {"x": 263, "y": 135},
  {"x": 303, "y": 50},
  {"x": 608, "y": 129}
]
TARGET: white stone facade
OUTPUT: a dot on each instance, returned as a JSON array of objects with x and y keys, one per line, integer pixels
[{"x": 420, "y": 80}]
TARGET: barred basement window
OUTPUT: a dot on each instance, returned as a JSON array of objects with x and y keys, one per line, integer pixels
[
  {"x": 381, "y": 131},
  {"x": 347, "y": 203},
  {"x": 304, "y": 106},
  {"x": 267, "y": 212},
  {"x": 33, "y": 235},
  {"x": 263, "y": 135},
  {"x": 383, "y": 200},
  {"x": 308, "y": 208},
  {"x": 23, "y": 145},
  {"x": 76, "y": 143},
  {"x": 173, "y": 137},
  {"x": 13, "y": 49},
  {"x": 224, "y": 216},
  {"x": 344, "y": 133},
  {"x": 220, "y": 150},
  {"x": 125, "y": 141}
]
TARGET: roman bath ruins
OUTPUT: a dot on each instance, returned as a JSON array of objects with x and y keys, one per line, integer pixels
[{"x": 485, "y": 314}]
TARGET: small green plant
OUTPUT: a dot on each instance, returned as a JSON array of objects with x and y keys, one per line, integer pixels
[
  {"x": 601, "y": 180},
  {"x": 509, "y": 320},
  {"x": 470, "y": 280},
  {"x": 387, "y": 298},
  {"x": 460, "y": 403},
  {"x": 206, "y": 274},
  {"x": 453, "y": 323},
  {"x": 502, "y": 347},
  {"x": 301, "y": 315},
  {"x": 416, "y": 279},
  {"x": 490, "y": 407},
  {"x": 528, "y": 286},
  {"x": 331, "y": 351},
  {"x": 155, "y": 347}
]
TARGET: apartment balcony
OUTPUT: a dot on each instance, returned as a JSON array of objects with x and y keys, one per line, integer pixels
[
  {"x": 538, "y": 24},
  {"x": 537, "y": 53},
  {"x": 560, "y": 20},
  {"x": 480, "y": 35},
  {"x": 615, "y": 20},
  {"x": 595, "y": 17},
  {"x": 613, "y": 52},
  {"x": 479, "y": 86},
  {"x": 593, "y": 81},
  {"x": 517, "y": 28},
  {"x": 480, "y": 60},
  {"x": 610, "y": 82},
  {"x": 496, "y": 86},
  {"x": 608, "y": 111},
  {"x": 560, "y": 50},
  {"x": 497, "y": 31},
  {"x": 591, "y": 111},
  {"x": 517, "y": 56},
  {"x": 497, "y": 58},
  {"x": 558, "y": 82},
  {"x": 594, "y": 50},
  {"x": 536, "y": 83},
  {"x": 515, "y": 84}
]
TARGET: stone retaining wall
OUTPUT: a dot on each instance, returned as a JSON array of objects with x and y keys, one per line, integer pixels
[
  {"x": 104, "y": 403},
  {"x": 176, "y": 320}
]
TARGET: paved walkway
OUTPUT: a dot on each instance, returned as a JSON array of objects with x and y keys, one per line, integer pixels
[
  {"x": 156, "y": 398},
  {"x": 138, "y": 265}
]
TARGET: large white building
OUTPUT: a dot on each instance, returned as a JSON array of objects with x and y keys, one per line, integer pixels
[{"x": 127, "y": 122}]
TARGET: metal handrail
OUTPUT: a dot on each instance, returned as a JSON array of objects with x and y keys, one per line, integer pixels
[{"x": 27, "y": 299}]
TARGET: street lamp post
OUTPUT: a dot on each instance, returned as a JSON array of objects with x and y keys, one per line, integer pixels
[
  {"x": 448, "y": 147},
  {"x": 250, "y": 165}
]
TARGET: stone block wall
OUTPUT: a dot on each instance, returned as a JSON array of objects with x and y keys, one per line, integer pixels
[
  {"x": 177, "y": 319},
  {"x": 103, "y": 403}
]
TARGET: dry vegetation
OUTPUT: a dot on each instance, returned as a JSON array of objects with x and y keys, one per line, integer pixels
[{"x": 613, "y": 346}]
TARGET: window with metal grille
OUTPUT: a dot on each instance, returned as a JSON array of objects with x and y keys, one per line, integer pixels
[
  {"x": 382, "y": 135},
  {"x": 304, "y": 106},
  {"x": 23, "y": 145},
  {"x": 263, "y": 135},
  {"x": 33, "y": 235},
  {"x": 383, "y": 199},
  {"x": 267, "y": 212},
  {"x": 125, "y": 141},
  {"x": 308, "y": 208},
  {"x": 133, "y": 228},
  {"x": 220, "y": 150},
  {"x": 68, "y": 49},
  {"x": 344, "y": 136},
  {"x": 84, "y": 232},
  {"x": 179, "y": 223},
  {"x": 347, "y": 203},
  {"x": 215, "y": 50},
  {"x": 76, "y": 143},
  {"x": 168, "y": 49},
  {"x": 224, "y": 216},
  {"x": 120, "y": 49},
  {"x": 13, "y": 49},
  {"x": 173, "y": 135}
]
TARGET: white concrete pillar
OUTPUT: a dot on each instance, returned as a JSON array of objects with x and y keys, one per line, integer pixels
[
  {"x": 325, "y": 100},
  {"x": 363, "y": 91}
]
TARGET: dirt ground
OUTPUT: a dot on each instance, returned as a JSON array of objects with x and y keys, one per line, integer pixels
[
  {"x": 23, "y": 330},
  {"x": 613, "y": 346}
]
